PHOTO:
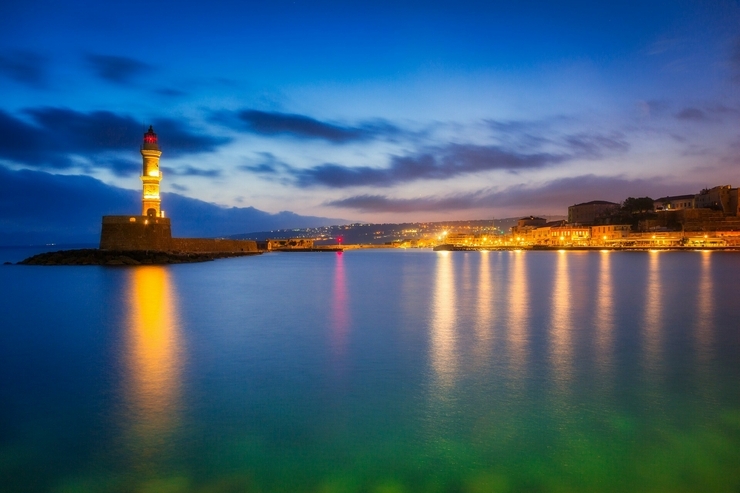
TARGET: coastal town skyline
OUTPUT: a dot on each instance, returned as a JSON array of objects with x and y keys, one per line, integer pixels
[{"x": 377, "y": 114}]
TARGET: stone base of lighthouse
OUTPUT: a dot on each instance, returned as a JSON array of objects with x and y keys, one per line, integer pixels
[
  {"x": 155, "y": 233},
  {"x": 136, "y": 233}
]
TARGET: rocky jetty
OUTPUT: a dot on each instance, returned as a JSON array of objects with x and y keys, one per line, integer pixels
[{"x": 92, "y": 256}]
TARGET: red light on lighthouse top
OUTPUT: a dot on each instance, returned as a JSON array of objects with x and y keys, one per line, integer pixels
[{"x": 150, "y": 139}]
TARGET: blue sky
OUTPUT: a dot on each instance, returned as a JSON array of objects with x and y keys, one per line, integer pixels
[{"x": 378, "y": 111}]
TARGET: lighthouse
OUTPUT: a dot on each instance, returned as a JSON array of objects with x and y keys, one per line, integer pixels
[
  {"x": 151, "y": 231},
  {"x": 151, "y": 175}
]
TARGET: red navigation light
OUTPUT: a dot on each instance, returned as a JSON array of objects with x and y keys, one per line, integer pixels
[
  {"x": 150, "y": 137},
  {"x": 339, "y": 239}
]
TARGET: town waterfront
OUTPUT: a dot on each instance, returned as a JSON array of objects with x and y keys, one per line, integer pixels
[{"x": 374, "y": 371}]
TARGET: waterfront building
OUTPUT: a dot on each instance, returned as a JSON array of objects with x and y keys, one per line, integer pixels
[
  {"x": 675, "y": 203},
  {"x": 527, "y": 224},
  {"x": 289, "y": 244},
  {"x": 570, "y": 235},
  {"x": 587, "y": 212},
  {"x": 610, "y": 234},
  {"x": 722, "y": 198}
]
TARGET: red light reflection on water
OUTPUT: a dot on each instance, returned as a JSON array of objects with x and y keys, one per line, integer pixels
[{"x": 339, "y": 309}]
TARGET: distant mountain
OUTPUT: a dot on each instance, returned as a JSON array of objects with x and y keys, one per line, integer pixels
[
  {"x": 38, "y": 208},
  {"x": 379, "y": 233}
]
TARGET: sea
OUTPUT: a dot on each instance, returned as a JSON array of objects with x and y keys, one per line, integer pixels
[{"x": 381, "y": 371}]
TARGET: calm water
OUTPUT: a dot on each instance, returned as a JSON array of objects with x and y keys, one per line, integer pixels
[{"x": 374, "y": 371}]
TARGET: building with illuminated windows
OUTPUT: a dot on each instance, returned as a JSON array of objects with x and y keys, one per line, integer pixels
[{"x": 588, "y": 212}]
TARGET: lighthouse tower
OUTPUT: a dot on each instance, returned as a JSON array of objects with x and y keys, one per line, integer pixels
[{"x": 151, "y": 175}]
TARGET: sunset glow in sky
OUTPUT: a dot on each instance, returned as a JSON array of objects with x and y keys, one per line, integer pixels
[{"x": 380, "y": 112}]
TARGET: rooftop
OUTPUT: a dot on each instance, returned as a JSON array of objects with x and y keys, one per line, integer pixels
[{"x": 596, "y": 202}]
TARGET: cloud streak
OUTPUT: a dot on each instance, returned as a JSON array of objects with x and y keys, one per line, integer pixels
[
  {"x": 25, "y": 67},
  {"x": 117, "y": 69},
  {"x": 436, "y": 164},
  {"x": 553, "y": 195},
  {"x": 453, "y": 160},
  {"x": 193, "y": 171},
  {"x": 58, "y": 135},
  {"x": 304, "y": 127}
]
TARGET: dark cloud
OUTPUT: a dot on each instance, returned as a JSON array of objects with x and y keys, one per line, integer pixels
[
  {"x": 709, "y": 113},
  {"x": 596, "y": 145},
  {"x": 120, "y": 167},
  {"x": 530, "y": 135},
  {"x": 692, "y": 114},
  {"x": 178, "y": 187},
  {"x": 519, "y": 127},
  {"x": 437, "y": 164},
  {"x": 117, "y": 69},
  {"x": 193, "y": 171},
  {"x": 25, "y": 67},
  {"x": 260, "y": 169},
  {"x": 177, "y": 139},
  {"x": 57, "y": 134},
  {"x": 555, "y": 195},
  {"x": 303, "y": 127},
  {"x": 381, "y": 203},
  {"x": 267, "y": 164},
  {"x": 28, "y": 144}
]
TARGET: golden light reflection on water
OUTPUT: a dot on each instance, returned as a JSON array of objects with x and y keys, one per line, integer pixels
[
  {"x": 339, "y": 309},
  {"x": 604, "y": 314},
  {"x": 483, "y": 327},
  {"x": 561, "y": 325},
  {"x": 518, "y": 315},
  {"x": 705, "y": 309},
  {"x": 706, "y": 379},
  {"x": 443, "y": 337},
  {"x": 153, "y": 362},
  {"x": 653, "y": 313}
]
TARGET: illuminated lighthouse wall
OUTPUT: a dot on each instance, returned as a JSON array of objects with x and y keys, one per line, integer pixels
[{"x": 151, "y": 175}]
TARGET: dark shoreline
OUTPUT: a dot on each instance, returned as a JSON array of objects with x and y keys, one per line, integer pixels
[{"x": 94, "y": 256}]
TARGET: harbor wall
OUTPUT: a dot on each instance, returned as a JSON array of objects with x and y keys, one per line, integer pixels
[
  {"x": 155, "y": 233},
  {"x": 204, "y": 245}
]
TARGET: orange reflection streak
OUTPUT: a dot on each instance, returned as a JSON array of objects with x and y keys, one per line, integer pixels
[
  {"x": 518, "y": 315},
  {"x": 705, "y": 309},
  {"x": 560, "y": 331},
  {"x": 653, "y": 313},
  {"x": 483, "y": 329},
  {"x": 604, "y": 314},
  {"x": 153, "y": 357},
  {"x": 340, "y": 310},
  {"x": 443, "y": 323}
]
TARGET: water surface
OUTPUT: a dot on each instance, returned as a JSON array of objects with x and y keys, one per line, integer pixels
[{"x": 374, "y": 371}]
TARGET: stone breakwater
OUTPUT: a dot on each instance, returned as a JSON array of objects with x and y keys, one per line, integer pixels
[{"x": 129, "y": 257}]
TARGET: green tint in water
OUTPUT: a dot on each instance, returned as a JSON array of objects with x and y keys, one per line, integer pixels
[{"x": 395, "y": 371}]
